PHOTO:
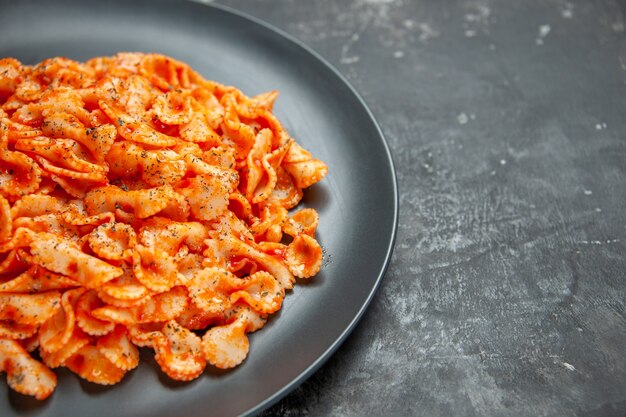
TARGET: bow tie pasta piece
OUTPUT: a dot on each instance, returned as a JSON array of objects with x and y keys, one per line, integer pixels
[
  {"x": 154, "y": 268},
  {"x": 142, "y": 205},
  {"x": 179, "y": 352},
  {"x": 118, "y": 348},
  {"x": 173, "y": 107},
  {"x": 134, "y": 129},
  {"x": 164, "y": 72},
  {"x": 226, "y": 247},
  {"x": 21, "y": 237},
  {"x": 63, "y": 72},
  {"x": 230, "y": 224},
  {"x": 91, "y": 325},
  {"x": 94, "y": 366},
  {"x": 198, "y": 129},
  {"x": 235, "y": 134},
  {"x": 19, "y": 174},
  {"x": 63, "y": 157},
  {"x": 6, "y": 224},
  {"x": 16, "y": 331},
  {"x": 285, "y": 194},
  {"x": 19, "y": 131},
  {"x": 74, "y": 213},
  {"x": 304, "y": 221},
  {"x": 64, "y": 257},
  {"x": 156, "y": 167},
  {"x": 36, "y": 205},
  {"x": 261, "y": 178},
  {"x": 22, "y": 314},
  {"x": 213, "y": 290},
  {"x": 24, "y": 374},
  {"x": 168, "y": 235},
  {"x": 269, "y": 226},
  {"x": 196, "y": 318},
  {"x": 11, "y": 70},
  {"x": 304, "y": 169},
  {"x": 261, "y": 292},
  {"x": 136, "y": 94},
  {"x": 209, "y": 290},
  {"x": 125, "y": 290},
  {"x": 158, "y": 308},
  {"x": 57, "y": 358},
  {"x": 59, "y": 328},
  {"x": 227, "y": 346},
  {"x": 50, "y": 223},
  {"x": 29, "y": 309},
  {"x": 207, "y": 195},
  {"x": 37, "y": 279},
  {"x": 304, "y": 256},
  {"x": 113, "y": 241}
]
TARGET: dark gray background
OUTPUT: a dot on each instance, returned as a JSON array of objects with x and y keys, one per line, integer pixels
[{"x": 506, "y": 119}]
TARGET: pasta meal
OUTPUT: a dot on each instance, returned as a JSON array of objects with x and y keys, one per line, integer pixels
[{"x": 142, "y": 205}]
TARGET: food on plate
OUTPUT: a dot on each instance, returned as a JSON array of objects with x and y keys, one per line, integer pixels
[{"x": 142, "y": 205}]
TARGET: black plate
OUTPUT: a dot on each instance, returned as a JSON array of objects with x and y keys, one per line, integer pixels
[{"x": 357, "y": 201}]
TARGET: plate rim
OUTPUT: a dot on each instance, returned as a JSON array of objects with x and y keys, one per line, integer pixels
[{"x": 326, "y": 355}]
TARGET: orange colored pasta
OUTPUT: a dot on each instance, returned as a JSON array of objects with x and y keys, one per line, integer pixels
[{"x": 142, "y": 206}]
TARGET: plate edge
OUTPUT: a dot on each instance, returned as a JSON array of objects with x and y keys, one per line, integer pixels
[{"x": 304, "y": 375}]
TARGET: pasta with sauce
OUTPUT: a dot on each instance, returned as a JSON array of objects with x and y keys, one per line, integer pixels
[{"x": 142, "y": 205}]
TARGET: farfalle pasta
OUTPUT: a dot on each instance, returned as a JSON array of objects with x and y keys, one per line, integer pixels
[{"x": 142, "y": 206}]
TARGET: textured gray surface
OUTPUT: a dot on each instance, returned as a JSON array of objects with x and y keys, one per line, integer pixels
[{"x": 506, "y": 292}]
